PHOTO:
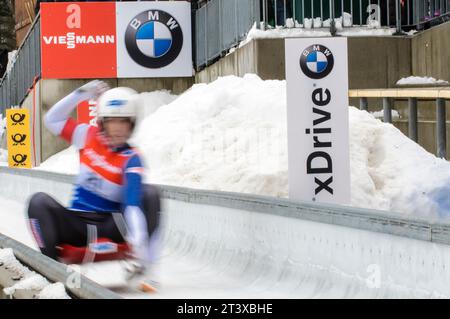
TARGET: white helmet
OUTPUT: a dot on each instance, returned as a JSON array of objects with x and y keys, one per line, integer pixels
[{"x": 117, "y": 102}]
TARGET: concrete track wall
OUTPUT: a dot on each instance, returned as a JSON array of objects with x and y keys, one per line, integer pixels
[{"x": 431, "y": 52}]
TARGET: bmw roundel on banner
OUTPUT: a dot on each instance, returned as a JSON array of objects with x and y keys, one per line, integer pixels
[
  {"x": 154, "y": 39},
  {"x": 317, "y": 61}
]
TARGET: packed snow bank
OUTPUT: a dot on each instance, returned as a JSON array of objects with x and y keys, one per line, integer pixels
[
  {"x": 29, "y": 279},
  {"x": 380, "y": 114},
  {"x": 231, "y": 135},
  {"x": 418, "y": 80},
  {"x": 11, "y": 60},
  {"x": 316, "y": 28},
  {"x": 66, "y": 161}
]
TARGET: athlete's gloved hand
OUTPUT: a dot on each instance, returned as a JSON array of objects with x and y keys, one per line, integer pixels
[{"x": 93, "y": 89}]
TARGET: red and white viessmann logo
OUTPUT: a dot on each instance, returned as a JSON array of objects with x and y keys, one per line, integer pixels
[
  {"x": 78, "y": 40},
  {"x": 71, "y": 39}
]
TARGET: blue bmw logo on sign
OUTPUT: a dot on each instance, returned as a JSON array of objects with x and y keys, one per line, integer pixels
[
  {"x": 316, "y": 61},
  {"x": 154, "y": 39}
]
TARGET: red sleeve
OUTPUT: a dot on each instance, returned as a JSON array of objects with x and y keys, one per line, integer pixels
[{"x": 68, "y": 129}]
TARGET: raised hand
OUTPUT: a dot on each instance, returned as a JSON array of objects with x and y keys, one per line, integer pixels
[{"x": 93, "y": 89}]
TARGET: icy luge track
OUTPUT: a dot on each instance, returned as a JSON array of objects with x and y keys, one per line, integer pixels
[{"x": 221, "y": 245}]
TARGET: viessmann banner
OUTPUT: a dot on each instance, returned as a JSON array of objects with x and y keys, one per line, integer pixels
[
  {"x": 318, "y": 129},
  {"x": 116, "y": 39}
]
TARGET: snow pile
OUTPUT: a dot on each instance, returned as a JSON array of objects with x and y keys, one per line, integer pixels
[
  {"x": 228, "y": 134},
  {"x": 418, "y": 80},
  {"x": 11, "y": 60},
  {"x": 317, "y": 28},
  {"x": 153, "y": 100},
  {"x": 380, "y": 114},
  {"x": 30, "y": 280},
  {"x": 391, "y": 172},
  {"x": 54, "y": 291},
  {"x": 9, "y": 261},
  {"x": 279, "y": 32},
  {"x": 231, "y": 135},
  {"x": 345, "y": 21},
  {"x": 66, "y": 161},
  {"x": 290, "y": 23}
]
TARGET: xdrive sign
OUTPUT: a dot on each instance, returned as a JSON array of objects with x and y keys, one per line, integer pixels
[{"x": 317, "y": 109}]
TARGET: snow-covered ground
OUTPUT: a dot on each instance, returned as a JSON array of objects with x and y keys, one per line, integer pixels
[
  {"x": 11, "y": 60},
  {"x": 231, "y": 135},
  {"x": 29, "y": 279},
  {"x": 380, "y": 114},
  {"x": 318, "y": 28},
  {"x": 421, "y": 80}
]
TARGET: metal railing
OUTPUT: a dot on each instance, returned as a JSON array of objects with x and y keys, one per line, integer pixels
[
  {"x": 413, "y": 96},
  {"x": 220, "y": 25},
  {"x": 399, "y": 13},
  {"x": 27, "y": 66}
]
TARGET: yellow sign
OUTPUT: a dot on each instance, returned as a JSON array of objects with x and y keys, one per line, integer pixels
[{"x": 19, "y": 138}]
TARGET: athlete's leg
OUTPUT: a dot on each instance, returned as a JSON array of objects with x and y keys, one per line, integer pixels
[{"x": 53, "y": 225}]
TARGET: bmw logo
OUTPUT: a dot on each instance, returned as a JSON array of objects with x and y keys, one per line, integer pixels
[
  {"x": 153, "y": 39},
  {"x": 317, "y": 61}
]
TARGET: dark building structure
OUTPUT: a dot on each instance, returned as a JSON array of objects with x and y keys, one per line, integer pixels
[{"x": 7, "y": 34}]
